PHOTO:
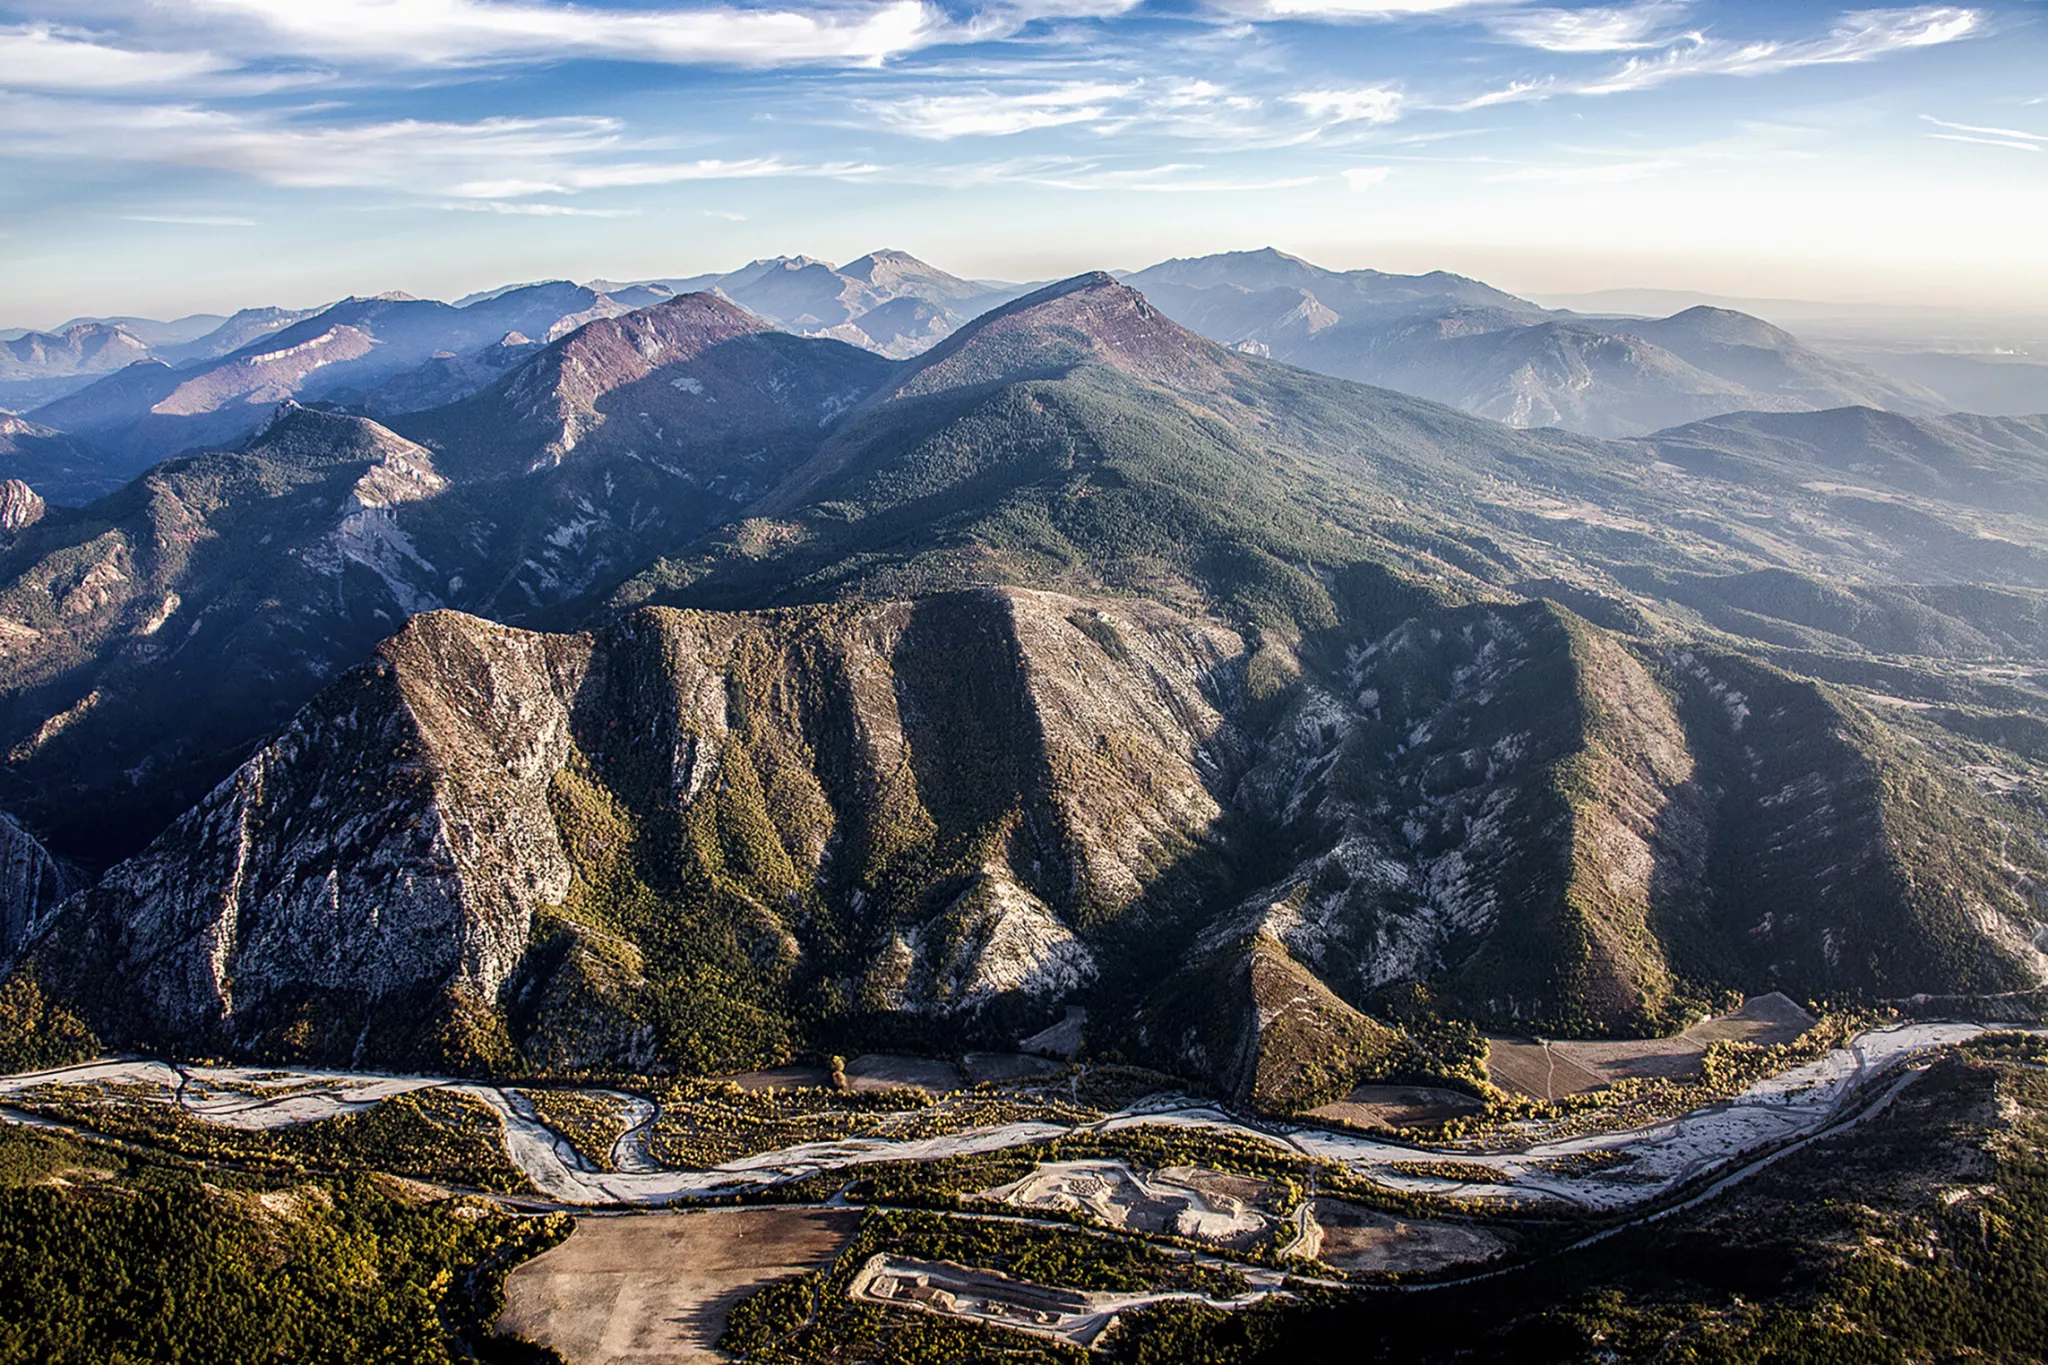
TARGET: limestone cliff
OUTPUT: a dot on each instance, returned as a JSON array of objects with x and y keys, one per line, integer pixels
[{"x": 709, "y": 840}]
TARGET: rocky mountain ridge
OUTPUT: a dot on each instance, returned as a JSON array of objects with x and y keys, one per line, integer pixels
[
  {"x": 697, "y": 839},
  {"x": 1292, "y": 726},
  {"x": 1460, "y": 342}
]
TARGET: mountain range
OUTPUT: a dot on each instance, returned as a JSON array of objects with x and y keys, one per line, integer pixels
[
  {"x": 695, "y": 694},
  {"x": 137, "y": 391},
  {"x": 1462, "y": 342}
]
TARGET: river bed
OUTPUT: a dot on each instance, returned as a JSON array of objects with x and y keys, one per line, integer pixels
[{"x": 1601, "y": 1171}]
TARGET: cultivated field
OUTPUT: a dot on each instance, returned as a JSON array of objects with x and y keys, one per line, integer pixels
[
  {"x": 642, "y": 1288},
  {"x": 1397, "y": 1106},
  {"x": 1548, "y": 1069}
]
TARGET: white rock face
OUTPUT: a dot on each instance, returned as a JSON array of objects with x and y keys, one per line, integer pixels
[
  {"x": 20, "y": 506},
  {"x": 395, "y": 838},
  {"x": 32, "y": 884},
  {"x": 1006, "y": 941},
  {"x": 369, "y": 535}
]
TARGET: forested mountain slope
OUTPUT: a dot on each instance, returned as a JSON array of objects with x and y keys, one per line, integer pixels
[{"x": 1291, "y": 726}]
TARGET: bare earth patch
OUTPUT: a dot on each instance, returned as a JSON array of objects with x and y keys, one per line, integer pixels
[
  {"x": 656, "y": 1287},
  {"x": 1548, "y": 1069},
  {"x": 1397, "y": 1106},
  {"x": 888, "y": 1071},
  {"x": 869, "y": 1072},
  {"x": 784, "y": 1078},
  {"x": 1007, "y": 1066},
  {"x": 1210, "y": 1206},
  {"x": 1361, "y": 1241}
]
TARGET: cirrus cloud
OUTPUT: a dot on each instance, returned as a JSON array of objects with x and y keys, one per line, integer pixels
[
  {"x": 987, "y": 113},
  {"x": 1589, "y": 30},
  {"x": 457, "y": 33}
]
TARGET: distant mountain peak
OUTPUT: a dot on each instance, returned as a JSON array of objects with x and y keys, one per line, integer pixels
[
  {"x": 561, "y": 385},
  {"x": 889, "y": 265},
  {"x": 887, "y": 255},
  {"x": 1089, "y": 318},
  {"x": 1726, "y": 326},
  {"x": 295, "y": 432},
  {"x": 1100, "y": 280}
]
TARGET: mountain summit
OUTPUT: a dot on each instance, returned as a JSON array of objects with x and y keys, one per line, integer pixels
[
  {"x": 1293, "y": 727},
  {"x": 1089, "y": 318}
]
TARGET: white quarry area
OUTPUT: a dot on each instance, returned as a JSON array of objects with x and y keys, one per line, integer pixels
[
  {"x": 1646, "y": 1165},
  {"x": 1166, "y": 1201},
  {"x": 1073, "y": 1316}
]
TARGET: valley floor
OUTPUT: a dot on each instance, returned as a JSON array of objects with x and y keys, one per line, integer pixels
[
  {"x": 1600, "y": 1171},
  {"x": 644, "y": 1287},
  {"x": 658, "y": 1284}
]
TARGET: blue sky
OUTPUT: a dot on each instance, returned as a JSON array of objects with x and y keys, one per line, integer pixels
[{"x": 159, "y": 156}]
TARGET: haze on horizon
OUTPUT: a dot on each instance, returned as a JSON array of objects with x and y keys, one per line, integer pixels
[{"x": 223, "y": 153}]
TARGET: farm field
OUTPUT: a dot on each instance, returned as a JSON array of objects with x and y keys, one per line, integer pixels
[
  {"x": 652, "y": 1288},
  {"x": 1396, "y": 1106},
  {"x": 1549, "y": 1069}
]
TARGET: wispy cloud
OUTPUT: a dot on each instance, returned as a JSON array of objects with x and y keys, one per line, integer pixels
[
  {"x": 642, "y": 174},
  {"x": 1863, "y": 36},
  {"x": 1359, "y": 179},
  {"x": 483, "y": 32},
  {"x": 1991, "y": 137},
  {"x": 534, "y": 210},
  {"x": 457, "y": 160},
  {"x": 475, "y": 32},
  {"x": 47, "y": 58},
  {"x": 1859, "y": 37},
  {"x": 1596, "y": 29},
  {"x": 1354, "y": 9},
  {"x": 990, "y": 113},
  {"x": 1195, "y": 113},
  {"x": 189, "y": 220},
  {"x": 1372, "y": 104},
  {"x": 1986, "y": 141}
]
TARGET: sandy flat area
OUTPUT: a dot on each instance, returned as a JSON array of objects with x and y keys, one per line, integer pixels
[
  {"x": 1551, "y": 1069},
  {"x": 783, "y": 1078},
  {"x": 642, "y": 1288},
  {"x": 1364, "y": 1241},
  {"x": 1007, "y": 1066},
  {"x": 869, "y": 1072},
  {"x": 1396, "y": 1106},
  {"x": 888, "y": 1071}
]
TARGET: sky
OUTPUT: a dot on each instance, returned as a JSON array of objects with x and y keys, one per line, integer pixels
[{"x": 159, "y": 157}]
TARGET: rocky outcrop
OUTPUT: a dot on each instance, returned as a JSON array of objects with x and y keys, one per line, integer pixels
[
  {"x": 1507, "y": 794},
  {"x": 390, "y": 845},
  {"x": 20, "y": 508},
  {"x": 675, "y": 840},
  {"x": 795, "y": 770},
  {"x": 32, "y": 884}
]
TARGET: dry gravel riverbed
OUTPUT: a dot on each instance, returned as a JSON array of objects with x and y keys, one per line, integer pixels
[{"x": 1602, "y": 1171}]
